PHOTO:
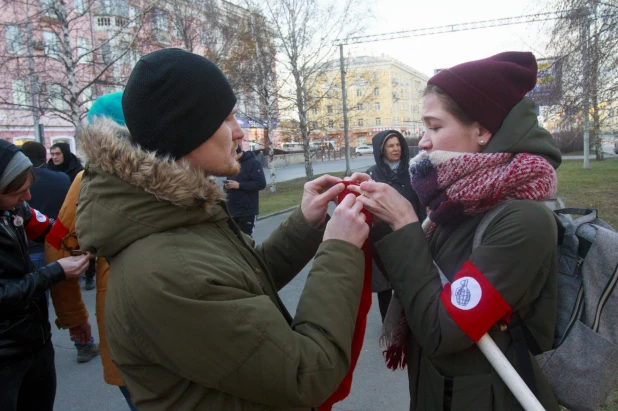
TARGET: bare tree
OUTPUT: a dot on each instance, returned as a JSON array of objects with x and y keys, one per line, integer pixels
[
  {"x": 587, "y": 44},
  {"x": 252, "y": 71},
  {"x": 65, "y": 66},
  {"x": 305, "y": 32}
]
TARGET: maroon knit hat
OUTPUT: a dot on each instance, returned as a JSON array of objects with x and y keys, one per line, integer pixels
[{"x": 488, "y": 89}]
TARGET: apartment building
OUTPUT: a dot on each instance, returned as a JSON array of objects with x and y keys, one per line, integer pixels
[{"x": 382, "y": 93}]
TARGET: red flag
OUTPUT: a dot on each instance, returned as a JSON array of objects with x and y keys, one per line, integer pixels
[
  {"x": 473, "y": 303},
  {"x": 37, "y": 225}
]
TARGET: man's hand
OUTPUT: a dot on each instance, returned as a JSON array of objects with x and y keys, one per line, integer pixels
[
  {"x": 81, "y": 334},
  {"x": 359, "y": 178},
  {"x": 231, "y": 185},
  {"x": 316, "y": 196},
  {"x": 348, "y": 223},
  {"x": 74, "y": 266},
  {"x": 385, "y": 203}
]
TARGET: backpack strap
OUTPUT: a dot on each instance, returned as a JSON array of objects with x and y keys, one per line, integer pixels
[
  {"x": 569, "y": 255},
  {"x": 522, "y": 338}
]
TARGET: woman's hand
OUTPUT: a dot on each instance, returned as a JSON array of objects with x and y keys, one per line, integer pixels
[{"x": 385, "y": 203}]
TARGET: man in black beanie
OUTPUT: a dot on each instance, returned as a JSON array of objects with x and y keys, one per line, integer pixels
[{"x": 192, "y": 313}]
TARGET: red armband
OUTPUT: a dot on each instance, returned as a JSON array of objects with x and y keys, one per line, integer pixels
[
  {"x": 37, "y": 225},
  {"x": 56, "y": 234},
  {"x": 473, "y": 303}
]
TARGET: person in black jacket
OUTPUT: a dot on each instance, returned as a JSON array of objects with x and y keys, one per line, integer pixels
[
  {"x": 48, "y": 192},
  {"x": 63, "y": 160},
  {"x": 27, "y": 368},
  {"x": 243, "y": 191},
  {"x": 390, "y": 151}
]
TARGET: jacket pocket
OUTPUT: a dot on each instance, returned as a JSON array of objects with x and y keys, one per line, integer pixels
[{"x": 470, "y": 392}]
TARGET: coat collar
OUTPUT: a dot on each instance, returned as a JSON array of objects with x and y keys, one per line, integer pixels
[{"x": 107, "y": 145}]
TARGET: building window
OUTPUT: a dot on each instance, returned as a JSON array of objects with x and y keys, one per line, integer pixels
[
  {"x": 83, "y": 50},
  {"x": 160, "y": 26},
  {"x": 359, "y": 106},
  {"x": 375, "y": 76},
  {"x": 315, "y": 125},
  {"x": 203, "y": 36},
  {"x": 54, "y": 92},
  {"x": 50, "y": 40},
  {"x": 359, "y": 92},
  {"x": 20, "y": 93},
  {"x": 314, "y": 111},
  {"x": 376, "y": 105},
  {"x": 13, "y": 39},
  {"x": 106, "y": 53},
  {"x": 360, "y": 122},
  {"x": 376, "y": 91},
  {"x": 329, "y": 109},
  {"x": 79, "y": 6},
  {"x": 331, "y": 124},
  {"x": 87, "y": 97},
  {"x": 133, "y": 13},
  {"x": 378, "y": 121},
  {"x": 361, "y": 141}
]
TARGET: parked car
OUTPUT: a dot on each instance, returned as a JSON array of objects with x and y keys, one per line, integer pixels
[
  {"x": 616, "y": 147},
  {"x": 360, "y": 150}
]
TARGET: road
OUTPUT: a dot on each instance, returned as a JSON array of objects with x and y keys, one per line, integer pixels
[
  {"x": 375, "y": 388},
  {"x": 321, "y": 167}
]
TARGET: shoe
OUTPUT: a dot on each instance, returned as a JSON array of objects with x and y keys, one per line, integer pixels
[
  {"x": 89, "y": 284},
  {"x": 86, "y": 352}
]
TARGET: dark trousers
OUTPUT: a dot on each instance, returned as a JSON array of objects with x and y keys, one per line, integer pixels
[
  {"x": 384, "y": 299},
  {"x": 29, "y": 383},
  {"x": 246, "y": 224}
]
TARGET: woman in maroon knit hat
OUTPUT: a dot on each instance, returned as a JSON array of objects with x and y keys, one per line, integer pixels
[{"x": 483, "y": 148}]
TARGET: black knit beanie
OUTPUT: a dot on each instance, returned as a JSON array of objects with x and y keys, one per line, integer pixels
[{"x": 174, "y": 101}]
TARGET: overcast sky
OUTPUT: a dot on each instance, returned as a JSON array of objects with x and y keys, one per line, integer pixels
[{"x": 427, "y": 53}]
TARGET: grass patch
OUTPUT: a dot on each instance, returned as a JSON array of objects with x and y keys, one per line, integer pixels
[
  {"x": 289, "y": 193},
  {"x": 596, "y": 188}
]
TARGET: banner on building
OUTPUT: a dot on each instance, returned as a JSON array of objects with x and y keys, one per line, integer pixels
[{"x": 548, "y": 89}]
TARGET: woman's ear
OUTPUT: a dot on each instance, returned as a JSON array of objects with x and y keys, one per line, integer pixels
[{"x": 483, "y": 136}]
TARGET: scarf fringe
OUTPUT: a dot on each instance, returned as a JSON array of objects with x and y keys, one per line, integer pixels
[{"x": 396, "y": 356}]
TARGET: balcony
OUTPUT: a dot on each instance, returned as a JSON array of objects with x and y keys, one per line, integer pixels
[{"x": 107, "y": 23}]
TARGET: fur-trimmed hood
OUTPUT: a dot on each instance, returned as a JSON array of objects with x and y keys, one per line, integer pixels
[
  {"x": 128, "y": 193},
  {"x": 107, "y": 146}
]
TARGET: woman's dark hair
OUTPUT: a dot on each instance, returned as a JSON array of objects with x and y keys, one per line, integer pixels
[
  {"x": 449, "y": 104},
  {"x": 20, "y": 180}
]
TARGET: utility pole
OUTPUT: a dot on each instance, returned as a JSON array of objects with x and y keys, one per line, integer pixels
[
  {"x": 585, "y": 34},
  {"x": 344, "y": 96},
  {"x": 34, "y": 84}
]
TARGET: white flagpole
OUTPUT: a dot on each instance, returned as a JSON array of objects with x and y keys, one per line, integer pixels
[{"x": 508, "y": 374}]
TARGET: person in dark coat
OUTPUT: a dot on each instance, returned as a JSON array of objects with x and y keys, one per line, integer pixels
[
  {"x": 48, "y": 192},
  {"x": 390, "y": 150},
  {"x": 63, "y": 160},
  {"x": 243, "y": 191}
]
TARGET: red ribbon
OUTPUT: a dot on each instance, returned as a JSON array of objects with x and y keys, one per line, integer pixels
[{"x": 361, "y": 320}]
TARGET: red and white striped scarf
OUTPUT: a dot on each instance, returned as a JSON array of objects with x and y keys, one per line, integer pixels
[{"x": 457, "y": 186}]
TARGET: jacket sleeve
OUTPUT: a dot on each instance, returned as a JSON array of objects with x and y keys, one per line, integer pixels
[
  {"x": 67, "y": 296},
  {"x": 238, "y": 342},
  {"x": 514, "y": 257},
  {"x": 257, "y": 180},
  {"x": 290, "y": 247},
  {"x": 19, "y": 292}
]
